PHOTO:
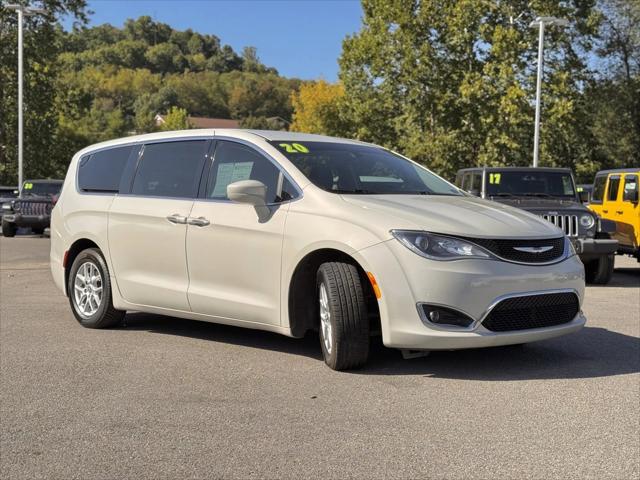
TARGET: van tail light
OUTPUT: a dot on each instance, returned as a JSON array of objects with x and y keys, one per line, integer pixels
[{"x": 65, "y": 258}]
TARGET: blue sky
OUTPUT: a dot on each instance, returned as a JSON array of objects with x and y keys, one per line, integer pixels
[{"x": 301, "y": 38}]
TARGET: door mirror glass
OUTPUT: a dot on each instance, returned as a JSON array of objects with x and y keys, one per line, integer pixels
[{"x": 252, "y": 192}]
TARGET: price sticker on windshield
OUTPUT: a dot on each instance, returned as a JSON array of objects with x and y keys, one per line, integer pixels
[
  {"x": 294, "y": 148},
  {"x": 494, "y": 178},
  {"x": 28, "y": 186}
]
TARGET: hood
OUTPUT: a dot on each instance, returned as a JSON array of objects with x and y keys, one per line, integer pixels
[
  {"x": 455, "y": 215},
  {"x": 541, "y": 204}
]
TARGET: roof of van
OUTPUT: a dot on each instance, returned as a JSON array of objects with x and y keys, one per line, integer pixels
[{"x": 269, "y": 135}]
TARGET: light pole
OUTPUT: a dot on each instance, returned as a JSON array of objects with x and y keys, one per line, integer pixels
[
  {"x": 22, "y": 12},
  {"x": 540, "y": 22}
]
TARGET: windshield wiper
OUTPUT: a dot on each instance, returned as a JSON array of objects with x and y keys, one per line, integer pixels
[{"x": 545, "y": 195}]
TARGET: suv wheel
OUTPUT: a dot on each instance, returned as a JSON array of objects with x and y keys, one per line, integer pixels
[
  {"x": 344, "y": 324},
  {"x": 600, "y": 271},
  {"x": 9, "y": 229},
  {"x": 89, "y": 288}
]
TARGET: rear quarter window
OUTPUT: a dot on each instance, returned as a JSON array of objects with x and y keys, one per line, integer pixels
[{"x": 102, "y": 171}]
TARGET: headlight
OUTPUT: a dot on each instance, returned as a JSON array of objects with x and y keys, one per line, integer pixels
[
  {"x": 438, "y": 247},
  {"x": 569, "y": 248},
  {"x": 587, "y": 221},
  {"x": 6, "y": 206}
]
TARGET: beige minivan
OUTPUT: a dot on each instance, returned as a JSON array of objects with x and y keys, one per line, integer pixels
[{"x": 293, "y": 232}]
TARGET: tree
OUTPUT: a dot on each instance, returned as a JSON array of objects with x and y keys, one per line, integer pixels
[
  {"x": 176, "y": 119},
  {"x": 452, "y": 83},
  {"x": 42, "y": 42},
  {"x": 316, "y": 108}
]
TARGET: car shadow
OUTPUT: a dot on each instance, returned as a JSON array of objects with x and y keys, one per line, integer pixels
[
  {"x": 625, "y": 277},
  {"x": 589, "y": 353}
]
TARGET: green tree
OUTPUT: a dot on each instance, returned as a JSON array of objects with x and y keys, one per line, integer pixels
[
  {"x": 42, "y": 42},
  {"x": 451, "y": 83},
  {"x": 176, "y": 119}
]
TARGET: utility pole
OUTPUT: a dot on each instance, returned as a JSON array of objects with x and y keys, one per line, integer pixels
[
  {"x": 22, "y": 12},
  {"x": 540, "y": 22}
]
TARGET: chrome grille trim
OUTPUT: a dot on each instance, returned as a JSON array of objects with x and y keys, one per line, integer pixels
[{"x": 567, "y": 223}]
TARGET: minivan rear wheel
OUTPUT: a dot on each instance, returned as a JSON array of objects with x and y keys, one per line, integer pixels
[
  {"x": 89, "y": 289},
  {"x": 342, "y": 312}
]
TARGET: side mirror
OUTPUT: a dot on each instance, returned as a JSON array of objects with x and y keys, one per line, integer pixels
[
  {"x": 252, "y": 192},
  {"x": 584, "y": 196}
]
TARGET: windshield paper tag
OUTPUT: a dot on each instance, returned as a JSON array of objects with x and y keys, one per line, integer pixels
[
  {"x": 294, "y": 148},
  {"x": 28, "y": 186},
  {"x": 494, "y": 178}
]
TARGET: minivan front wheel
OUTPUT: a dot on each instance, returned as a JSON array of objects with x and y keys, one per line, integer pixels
[
  {"x": 343, "y": 319},
  {"x": 89, "y": 289}
]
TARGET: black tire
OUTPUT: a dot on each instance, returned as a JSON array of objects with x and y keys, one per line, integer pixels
[
  {"x": 349, "y": 333},
  {"x": 600, "y": 271},
  {"x": 38, "y": 230},
  {"x": 9, "y": 229},
  {"x": 105, "y": 314}
]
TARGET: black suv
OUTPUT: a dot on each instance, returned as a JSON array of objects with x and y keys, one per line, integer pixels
[
  {"x": 32, "y": 208},
  {"x": 551, "y": 194}
]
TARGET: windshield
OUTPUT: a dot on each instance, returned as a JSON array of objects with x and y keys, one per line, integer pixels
[
  {"x": 362, "y": 169},
  {"x": 530, "y": 183},
  {"x": 41, "y": 188}
]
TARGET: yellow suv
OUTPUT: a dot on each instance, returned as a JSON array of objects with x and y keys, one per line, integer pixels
[{"x": 615, "y": 197}]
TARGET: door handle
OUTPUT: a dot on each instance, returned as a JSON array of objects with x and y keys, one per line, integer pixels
[
  {"x": 605, "y": 211},
  {"x": 619, "y": 212},
  {"x": 175, "y": 218},
  {"x": 198, "y": 222}
]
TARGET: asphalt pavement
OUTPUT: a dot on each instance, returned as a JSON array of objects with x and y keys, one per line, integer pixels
[{"x": 169, "y": 398}]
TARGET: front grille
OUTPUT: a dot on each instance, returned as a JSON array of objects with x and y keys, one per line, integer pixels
[
  {"x": 532, "y": 311},
  {"x": 507, "y": 249},
  {"x": 567, "y": 223},
  {"x": 33, "y": 207}
]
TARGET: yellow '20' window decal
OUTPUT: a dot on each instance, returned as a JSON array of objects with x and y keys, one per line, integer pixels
[{"x": 294, "y": 148}]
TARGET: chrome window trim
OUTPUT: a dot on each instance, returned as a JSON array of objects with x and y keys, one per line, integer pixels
[
  {"x": 90, "y": 152},
  {"x": 477, "y": 322}
]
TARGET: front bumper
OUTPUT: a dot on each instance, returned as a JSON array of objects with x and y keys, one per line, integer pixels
[
  {"x": 27, "y": 220},
  {"x": 470, "y": 286},
  {"x": 595, "y": 247}
]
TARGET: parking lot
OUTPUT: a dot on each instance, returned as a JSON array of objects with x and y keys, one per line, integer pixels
[{"x": 169, "y": 398}]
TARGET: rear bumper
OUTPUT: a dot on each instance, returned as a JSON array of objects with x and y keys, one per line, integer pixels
[{"x": 27, "y": 220}]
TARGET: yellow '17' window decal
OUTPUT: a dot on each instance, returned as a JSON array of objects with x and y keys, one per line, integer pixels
[
  {"x": 294, "y": 148},
  {"x": 28, "y": 186},
  {"x": 494, "y": 178}
]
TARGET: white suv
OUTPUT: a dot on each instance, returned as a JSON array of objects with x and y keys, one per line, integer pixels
[{"x": 292, "y": 232}]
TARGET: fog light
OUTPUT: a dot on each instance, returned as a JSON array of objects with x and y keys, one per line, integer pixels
[{"x": 444, "y": 316}]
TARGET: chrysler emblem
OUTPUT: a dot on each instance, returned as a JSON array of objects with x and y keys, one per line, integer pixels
[{"x": 534, "y": 249}]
